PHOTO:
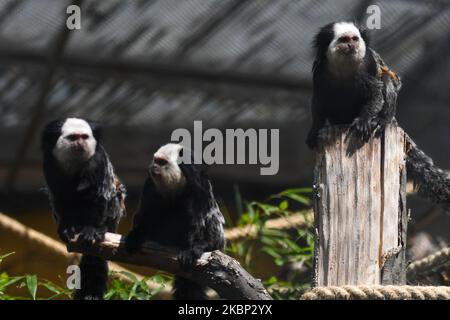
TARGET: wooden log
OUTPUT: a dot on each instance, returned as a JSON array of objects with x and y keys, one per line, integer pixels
[
  {"x": 214, "y": 269},
  {"x": 360, "y": 209}
]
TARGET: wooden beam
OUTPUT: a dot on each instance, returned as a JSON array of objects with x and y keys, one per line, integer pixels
[
  {"x": 214, "y": 269},
  {"x": 114, "y": 66}
]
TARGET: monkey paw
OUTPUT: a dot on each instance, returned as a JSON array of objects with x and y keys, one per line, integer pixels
[
  {"x": 362, "y": 129},
  {"x": 81, "y": 294},
  {"x": 67, "y": 233},
  {"x": 133, "y": 242},
  {"x": 90, "y": 235},
  {"x": 188, "y": 258}
]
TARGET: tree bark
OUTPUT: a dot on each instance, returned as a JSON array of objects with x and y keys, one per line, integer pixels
[
  {"x": 214, "y": 269},
  {"x": 360, "y": 210}
]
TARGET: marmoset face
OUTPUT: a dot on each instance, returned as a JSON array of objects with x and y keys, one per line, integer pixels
[
  {"x": 76, "y": 144},
  {"x": 347, "y": 50},
  {"x": 165, "y": 170},
  {"x": 347, "y": 42}
]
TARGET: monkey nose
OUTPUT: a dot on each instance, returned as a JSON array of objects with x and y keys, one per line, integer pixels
[
  {"x": 78, "y": 146},
  {"x": 155, "y": 169},
  {"x": 351, "y": 46}
]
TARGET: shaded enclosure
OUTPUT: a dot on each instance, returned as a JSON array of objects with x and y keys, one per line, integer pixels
[{"x": 147, "y": 67}]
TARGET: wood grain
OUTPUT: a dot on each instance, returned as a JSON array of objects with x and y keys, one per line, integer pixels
[{"x": 360, "y": 209}]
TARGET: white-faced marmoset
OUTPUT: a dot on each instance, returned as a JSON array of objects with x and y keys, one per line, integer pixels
[
  {"x": 86, "y": 196},
  {"x": 353, "y": 86},
  {"x": 178, "y": 209}
]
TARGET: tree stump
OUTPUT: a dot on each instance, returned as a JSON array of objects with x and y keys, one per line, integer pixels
[{"x": 360, "y": 210}]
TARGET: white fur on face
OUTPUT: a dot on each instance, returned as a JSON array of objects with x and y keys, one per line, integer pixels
[
  {"x": 76, "y": 144},
  {"x": 165, "y": 171},
  {"x": 341, "y": 61}
]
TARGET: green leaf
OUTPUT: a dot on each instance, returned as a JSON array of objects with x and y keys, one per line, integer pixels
[
  {"x": 251, "y": 214},
  {"x": 52, "y": 287},
  {"x": 268, "y": 209},
  {"x": 31, "y": 281},
  {"x": 279, "y": 262},
  {"x": 272, "y": 280},
  {"x": 274, "y": 233},
  {"x": 296, "y": 191},
  {"x": 7, "y": 281},
  {"x": 295, "y": 194},
  {"x": 283, "y": 205},
  {"x": 271, "y": 252},
  {"x": 5, "y": 255},
  {"x": 58, "y": 295},
  {"x": 144, "y": 286},
  {"x": 109, "y": 294},
  {"x": 130, "y": 275},
  {"x": 299, "y": 198},
  {"x": 132, "y": 292}
]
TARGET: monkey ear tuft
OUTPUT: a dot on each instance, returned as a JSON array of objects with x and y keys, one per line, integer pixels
[
  {"x": 50, "y": 134},
  {"x": 324, "y": 37},
  {"x": 321, "y": 42},
  {"x": 97, "y": 129},
  {"x": 195, "y": 174},
  {"x": 365, "y": 35}
]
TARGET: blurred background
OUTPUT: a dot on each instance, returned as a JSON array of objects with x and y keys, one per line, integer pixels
[{"x": 147, "y": 67}]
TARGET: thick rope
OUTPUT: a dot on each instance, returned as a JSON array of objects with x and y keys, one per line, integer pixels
[
  {"x": 378, "y": 293},
  {"x": 430, "y": 263},
  {"x": 35, "y": 237}
]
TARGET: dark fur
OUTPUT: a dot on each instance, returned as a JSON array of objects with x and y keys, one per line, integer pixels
[
  {"x": 367, "y": 102},
  {"x": 191, "y": 222},
  {"x": 90, "y": 203},
  {"x": 430, "y": 181},
  {"x": 356, "y": 100}
]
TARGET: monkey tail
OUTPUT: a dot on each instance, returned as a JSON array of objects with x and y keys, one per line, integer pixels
[
  {"x": 429, "y": 181},
  {"x": 94, "y": 277},
  {"x": 184, "y": 289}
]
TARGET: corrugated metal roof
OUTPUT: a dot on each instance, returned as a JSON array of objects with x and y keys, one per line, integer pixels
[{"x": 164, "y": 63}]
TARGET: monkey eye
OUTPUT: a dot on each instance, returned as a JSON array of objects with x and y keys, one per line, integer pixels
[
  {"x": 355, "y": 38},
  {"x": 73, "y": 137},
  {"x": 345, "y": 39},
  {"x": 160, "y": 161},
  {"x": 76, "y": 136}
]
